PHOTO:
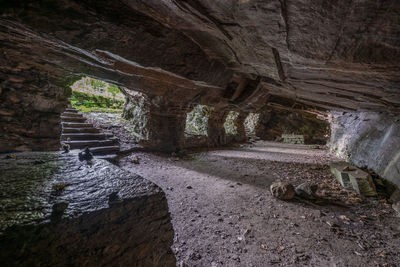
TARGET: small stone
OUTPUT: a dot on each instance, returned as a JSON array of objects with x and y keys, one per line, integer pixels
[
  {"x": 86, "y": 154},
  {"x": 189, "y": 187},
  {"x": 66, "y": 148},
  {"x": 282, "y": 190},
  {"x": 135, "y": 160}
]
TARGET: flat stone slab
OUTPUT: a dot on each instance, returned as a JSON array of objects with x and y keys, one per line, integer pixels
[
  {"x": 351, "y": 177},
  {"x": 31, "y": 183}
]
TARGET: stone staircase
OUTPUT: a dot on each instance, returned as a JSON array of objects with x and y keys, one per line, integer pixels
[{"x": 78, "y": 134}]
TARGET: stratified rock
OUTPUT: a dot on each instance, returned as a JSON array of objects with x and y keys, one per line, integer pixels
[
  {"x": 282, "y": 190},
  {"x": 105, "y": 216},
  {"x": 307, "y": 190}
]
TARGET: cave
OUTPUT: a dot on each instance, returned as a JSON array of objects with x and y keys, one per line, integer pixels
[{"x": 199, "y": 133}]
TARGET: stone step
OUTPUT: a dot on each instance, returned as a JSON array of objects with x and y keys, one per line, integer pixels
[
  {"x": 72, "y": 119},
  {"x": 85, "y": 136},
  {"x": 90, "y": 143},
  {"x": 72, "y": 114},
  {"x": 76, "y": 125},
  {"x": 104, "y": 150},
  {"x": 111, "y": 158},
  {"x": 71, "y": 110},
  {"x": 80, "y": 130}
]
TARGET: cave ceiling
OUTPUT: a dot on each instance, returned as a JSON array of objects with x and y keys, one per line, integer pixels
[{"x": 240, "y": 54}]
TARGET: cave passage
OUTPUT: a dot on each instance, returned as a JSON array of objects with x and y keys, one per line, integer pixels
[{"x": 199, "y": 133}]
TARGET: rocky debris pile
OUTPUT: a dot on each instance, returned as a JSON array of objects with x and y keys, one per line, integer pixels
[
  {"x": 78, "y": 134},
  {"x": 54, "y": 205},
  {"x": 306, "y": 192}
]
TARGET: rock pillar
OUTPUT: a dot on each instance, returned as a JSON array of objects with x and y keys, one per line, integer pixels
[
  {"x": 216, "y": 130},
  {"x": 30, "y": 107},
  {"x": 166, "y": 126},
  {"x": 239, "y": 123}
]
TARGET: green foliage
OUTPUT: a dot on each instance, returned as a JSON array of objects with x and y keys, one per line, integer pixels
[
  {"x": 113, "y": 89},
  {"x": 97, "y": 84},
  {"x": 90, "y": 103},
  {"x": 251, "y": 122},
  {"x": 197, "y": 120},
  {"x": 229, "y": 125}
]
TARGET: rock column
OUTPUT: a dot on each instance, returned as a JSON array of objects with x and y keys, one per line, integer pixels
[
  {"x": 239, "y": 123},
  {"x": 216, "y": 130},
  {"x": 166, "y": 126},
  {"x": 30, "y": 108}
]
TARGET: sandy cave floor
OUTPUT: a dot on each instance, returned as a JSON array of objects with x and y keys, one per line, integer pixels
[{"x": 224, "y": 215}]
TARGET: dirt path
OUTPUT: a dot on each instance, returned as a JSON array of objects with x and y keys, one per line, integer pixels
[{"x": 224, "y": 215}]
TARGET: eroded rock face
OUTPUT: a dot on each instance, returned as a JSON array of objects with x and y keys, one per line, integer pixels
[
  {"x": 368, "y": 139},
  {"x": 317, "y": 53},
  {"x": 65, "y": 212}
]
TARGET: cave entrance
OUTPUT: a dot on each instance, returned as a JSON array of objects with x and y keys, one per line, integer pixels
[
  {"x": 92, "y": 95},
  {"x": 94, "y": 118}
]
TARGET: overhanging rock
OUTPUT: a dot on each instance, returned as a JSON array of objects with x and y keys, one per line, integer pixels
[{"x": 58, "y": 211}]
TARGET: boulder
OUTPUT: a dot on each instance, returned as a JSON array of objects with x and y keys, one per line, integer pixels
[
  {"x": 351, "y": 177},
  {"x": 52, "y": 201},
  {"x": 282, "y": 190}
]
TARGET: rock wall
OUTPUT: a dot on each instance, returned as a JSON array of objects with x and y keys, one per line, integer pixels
[
  {"x": 368, "y": 139},
  {"x": 30, "y": 107},
  {"x": 58, "y": 211}
]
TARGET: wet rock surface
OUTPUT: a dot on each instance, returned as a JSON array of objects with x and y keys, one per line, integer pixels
[{"x": 69, "y": 212}]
